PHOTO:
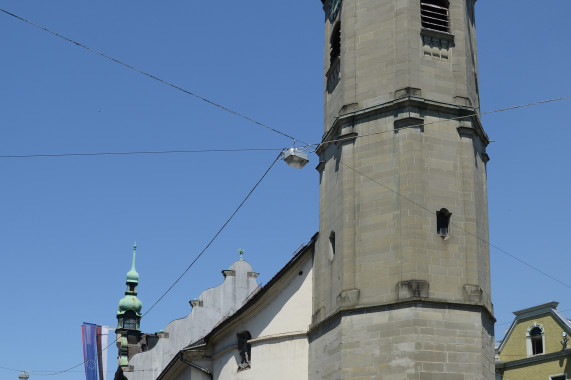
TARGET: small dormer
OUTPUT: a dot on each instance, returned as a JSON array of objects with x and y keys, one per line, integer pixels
[{"x": 536, "y": 342}]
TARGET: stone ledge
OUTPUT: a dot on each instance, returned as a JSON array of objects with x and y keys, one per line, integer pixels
[
  {"x": 411, "y": 302},
  {"x": 473, "y": 293},
  {"x": 409, "y": 123},
  {"x": 437, "y": 34},
  {"x": 163, "y": 334},
  {"x": 536, "y": 358},
  {"x": 348, "y": 298},
  {"x": 228, "y": 272},
  {"x": 408, "y": 91},
  {"x": 415, "y": 104}
]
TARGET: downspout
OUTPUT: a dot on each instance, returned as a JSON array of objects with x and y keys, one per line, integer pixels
[{"x": 196, "y": 366}]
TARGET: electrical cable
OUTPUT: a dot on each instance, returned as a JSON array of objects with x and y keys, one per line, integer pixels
[
  {"x": 450, "y": 119},
  {"x": 305, "y": 147},
  {"x": 215, "y": 235},
  {"x": 43, "y": 373},
  {"x": 141, "y": 152},
  {"x": 269, "y": 149},
  {"x": 151, "y": 76},
  {"x": 39, "y": 373},
  {"x": 457, "y": 226},
  {"x": 509, "y": 323},
  {"x": 242, "y": 203},
  {"x": 242, "y": 115},
  {"x": 263, "y": 176}
]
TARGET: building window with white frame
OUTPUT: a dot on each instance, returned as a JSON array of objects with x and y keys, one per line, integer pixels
[{"x": 535, "y": 340}]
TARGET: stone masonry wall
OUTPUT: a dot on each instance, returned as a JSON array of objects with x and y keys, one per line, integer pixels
[{"x": 413, "y": 342}]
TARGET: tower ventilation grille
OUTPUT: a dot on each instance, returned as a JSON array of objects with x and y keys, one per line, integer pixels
[{"x": 434, "y": 15}]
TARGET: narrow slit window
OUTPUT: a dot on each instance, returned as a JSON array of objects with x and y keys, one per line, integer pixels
[
  {"x": 332, "y": 245},
  {"x": 443, "y": 222},
  {"x": 335, "y": 43},
  {"x": 434, "y": 15}
]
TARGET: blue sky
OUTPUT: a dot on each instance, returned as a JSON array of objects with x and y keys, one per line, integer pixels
[{"x": 67, "y": 224}]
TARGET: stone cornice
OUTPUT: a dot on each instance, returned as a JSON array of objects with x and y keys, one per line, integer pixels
[
  {"x": 401, "y": 103},
  {"x": 534, "y": 359},
  {"x": 341, "y": 312},
  {"x": 536, "y": 310},
  {"x": 274, "y": 337},
  {"x": 437, "y": 34}
]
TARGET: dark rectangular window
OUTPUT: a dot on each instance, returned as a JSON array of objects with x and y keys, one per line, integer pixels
[
  {"x": 335, "y": 43},
  {"x": 443, "y": 222}
]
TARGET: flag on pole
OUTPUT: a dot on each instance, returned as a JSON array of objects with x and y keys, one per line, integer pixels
[
  {"x": 89, "y": 338},
  {"x": 95, "y": 340}
]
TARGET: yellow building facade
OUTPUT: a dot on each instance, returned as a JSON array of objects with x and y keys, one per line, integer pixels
[{"x": 536, "y": 346}]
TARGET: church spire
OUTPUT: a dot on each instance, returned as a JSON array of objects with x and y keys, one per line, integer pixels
[
  {"x": 132, "y": 275},
  {"x": 129, "y": 313},
  {"x": 130, "y": 304}
]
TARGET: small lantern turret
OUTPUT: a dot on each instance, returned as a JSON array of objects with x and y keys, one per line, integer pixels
[{"x": 129, "y": 315}]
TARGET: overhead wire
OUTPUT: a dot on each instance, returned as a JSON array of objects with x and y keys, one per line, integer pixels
[
  {"x": 215, "y": 235},
  {"x": 263, "y": 176},
  {"x": 42, "y": 373},
  {"x": 252, "y": 149},
  {"x": 304, "y": 147},
  {"x": 422, "y": 207},
  {"x": 149, "y": 152},
  {"x": 510, "y": 108},
  {"x": 131, "y": 67},
  {"x": 247, "y": 117},
  {"x": 509, "y": 323},
  {"x": 459, "y": 227}
]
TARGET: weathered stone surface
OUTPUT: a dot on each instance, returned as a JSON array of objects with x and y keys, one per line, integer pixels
[{"x": 411, "y": 155}]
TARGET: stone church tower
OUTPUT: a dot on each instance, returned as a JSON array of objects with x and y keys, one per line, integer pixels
[{"x": 401, "y": 270}]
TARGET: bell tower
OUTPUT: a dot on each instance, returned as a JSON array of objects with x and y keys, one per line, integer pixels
[{"x": 401, "y": 270}]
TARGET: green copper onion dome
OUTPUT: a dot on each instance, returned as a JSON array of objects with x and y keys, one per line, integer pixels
[{"x": 130, "y": 302}]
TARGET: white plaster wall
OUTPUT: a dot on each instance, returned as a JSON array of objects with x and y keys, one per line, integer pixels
[
  {"x": 192, "y": 374},
  {"x": 284, "y": 358},
  {"x": 278, "y": 325},
  {"x": 218, "y": 302}
]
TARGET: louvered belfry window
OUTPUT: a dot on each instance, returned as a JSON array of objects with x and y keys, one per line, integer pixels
[{"x": 434, "y": 15}]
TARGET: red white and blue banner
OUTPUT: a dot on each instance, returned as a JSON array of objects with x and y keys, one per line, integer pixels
[
  {"x": 94, "y": 340},
  {"x": 102, "y": 339}
]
